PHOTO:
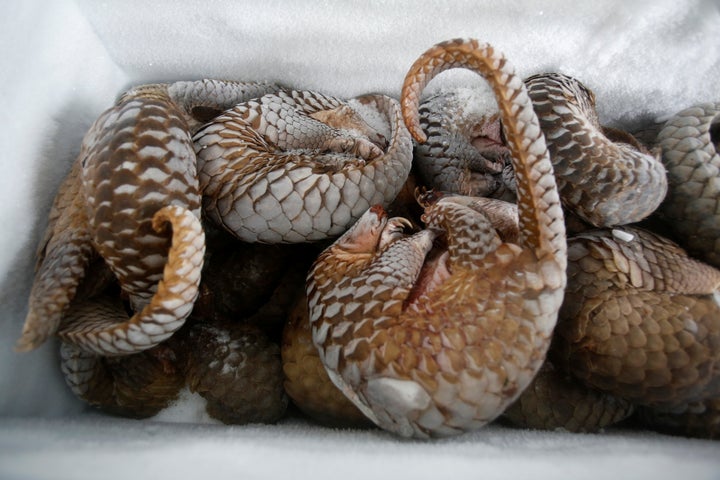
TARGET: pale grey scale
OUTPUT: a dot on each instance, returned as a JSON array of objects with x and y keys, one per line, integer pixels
[
  {"x": 283, "y": 119},
  {"x": 78, "y": 368},
  {"x": 606, "y": 183},
  {"x": 310, "y": 101},
  {"x": 244, "y": 176},
  {"x": 689, "y": 144}
]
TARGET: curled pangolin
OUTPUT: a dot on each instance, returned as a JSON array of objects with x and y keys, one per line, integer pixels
[
  {"x": 554, "y": 399},
  {"x": 298, "y": 166},
  {"x": 451, "y": 357},
  {"x": 695, "y": 419},
  {"x": 464, "y": 152},
  {"x": 136, "y": 159},
  {"x": 604, "y": 176}
]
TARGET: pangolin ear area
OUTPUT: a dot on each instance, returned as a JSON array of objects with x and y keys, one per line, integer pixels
[{"x": 364, "y": 235}]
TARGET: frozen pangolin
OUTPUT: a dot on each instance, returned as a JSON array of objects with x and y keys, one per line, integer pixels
[
  {"x": 604, "y": 175},
  {"x": 640, "y": 325},
  {"x": 641, "y": 319},
  {"x": 136, "y": 171},
  {"x": 452, "y": 355},
  {"x": 690, "y": 144},
  {"x": 695, "y": 419},
  {"x": 297, "y": 166}
]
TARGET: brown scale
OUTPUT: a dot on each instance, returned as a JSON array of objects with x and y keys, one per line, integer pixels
[
  {"x": 557, "y": 401},
  {"x": 136, "y": 160},
  {"x": 553, "y": 400},
  {"x": 641, "y": 319},
  {"x": 237, "y": 369},
  {"x": 699, "y": 419}
]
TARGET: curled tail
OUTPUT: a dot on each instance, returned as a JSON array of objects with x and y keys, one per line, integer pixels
[
  {"x": 541, "y": 221},
  {"x": 108, "y": 331}
]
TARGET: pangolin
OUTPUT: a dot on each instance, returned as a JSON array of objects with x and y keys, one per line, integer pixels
[
  {"x": 297, "y": 166},
  {"x": 605, "y": 176},
  {"x": 136, "y": 171},
  {"x": 453, "y": 355}
]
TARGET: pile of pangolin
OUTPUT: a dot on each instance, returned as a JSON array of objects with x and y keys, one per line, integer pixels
[{"x": 255, "y": 244}]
